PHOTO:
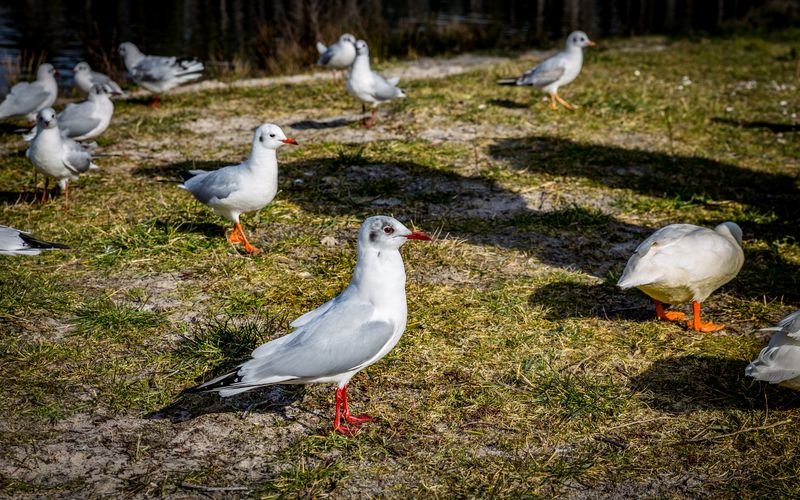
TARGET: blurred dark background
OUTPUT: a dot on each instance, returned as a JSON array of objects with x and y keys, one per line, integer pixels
[{"x": 270, "y": 37}]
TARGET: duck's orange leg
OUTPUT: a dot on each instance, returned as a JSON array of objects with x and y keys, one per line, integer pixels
[
  {"x": 699, "y": 326},
  {"x": 667, "y": 315}
]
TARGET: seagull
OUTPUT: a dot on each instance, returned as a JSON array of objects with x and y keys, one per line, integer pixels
[
  {"x": 30, "y": 98},
  {"x": 85, "y": 79},
  {"x": 340, "y": 55},
  {"x": 370, "y": 87},
  {"x": 343, "y": 336},
  {"x": 55, "y": 156},
  {"x": 247, "y": 187},
  {"x": 557, "y": 70},
  {"x": 158, "y": 74},
  {"x": 84, "y": 120},
  {"x": 779, "y": 362},
  {"x": 680, "y": 263},
  {"x": 16, "y": 242}
]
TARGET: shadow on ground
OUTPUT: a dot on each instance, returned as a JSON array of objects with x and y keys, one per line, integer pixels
[
  {"x": 322, "y": 124},
  {"x": 696, "y": 383},
  {"x": 774, "y": 127},
  {"x": 507, "y": 103},
  {"x": 580, "y": 300}
]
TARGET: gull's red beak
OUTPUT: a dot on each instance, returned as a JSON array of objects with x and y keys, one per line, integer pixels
[
  {"x": 590, "y": 43},
  {"x": 289, "y": 140},
  {"x": 416, "y": 235}
]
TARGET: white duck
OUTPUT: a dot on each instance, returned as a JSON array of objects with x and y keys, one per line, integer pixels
[
  {"x": 55, "y": 156},
  {"x": 85, "y": 79},
  {"x": 370, "y": 87},
  {"x": 16, "y": 242},
  {"x": 29, "y": 98},
  {"x": 683, "y": 263},
  {"x": 339, "y": 55},
  {"x": 779, "y": 362},
  {"x": 248, "y": 187},
  {"x": 343, "y": 336},
  {"x": 558, "y": 70}
]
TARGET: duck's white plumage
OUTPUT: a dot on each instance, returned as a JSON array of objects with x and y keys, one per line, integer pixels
[
  {"x": 779, "y": 362},
  {"x": 683, "y": 263}
]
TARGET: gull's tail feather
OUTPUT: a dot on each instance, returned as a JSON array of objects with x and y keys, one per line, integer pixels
[
  {"x": 321, "y": 48},
  {"x": 507, "y": 81},
  {"x": 34, "y": 243}
]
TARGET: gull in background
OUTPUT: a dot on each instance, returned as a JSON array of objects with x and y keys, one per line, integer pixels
[
  {"x": 343, "y": 336},
  {"x": 55, "y": 156},
  {"x": 370, "y": 87},
  {"x": 16, "y": 242},
  {"x": 85, "y": 79},
  {"x": 339, "y": 55},
  {"x": 557, "y": 70},
  {"x": 779, "y": 362},
  {"x": 248, "y": 187},
  {"x": 683, "y": 263},
  {"x": 28, "y": 98},
  {"x": 158, "y": 74},
  {"x": 84, "y": 120}
]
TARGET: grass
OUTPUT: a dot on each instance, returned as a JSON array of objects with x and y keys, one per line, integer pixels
[{"x": 523, "y": 370}]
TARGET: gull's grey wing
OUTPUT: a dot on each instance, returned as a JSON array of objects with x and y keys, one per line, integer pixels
[
  {"x": 340, "y": 340},
  {"x": 311, "y": 315},
  {"x": 383, "y": 90},
  {"x": 545, "y": 73},
  {"x": 218, "y": 184},
  {"x": 23, "y": 98},
  {"x": 75, "y": 158},
  {"x": 76, "y": 119},
  {"x": 155, "y": 68},
  {"x": 106, "y": 82},
  {"x": 321, "y": 48},
  {"x": 791, "y": 325},
  {"x": 326, "y": 56}
]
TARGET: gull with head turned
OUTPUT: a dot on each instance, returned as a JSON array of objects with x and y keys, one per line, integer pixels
[
  {"x": 339, "y": 55},
  {"x": 370, "y": 87}
]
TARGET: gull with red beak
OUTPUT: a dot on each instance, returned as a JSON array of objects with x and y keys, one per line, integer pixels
[
  {"x": 248, "y": 187},
  {"x": 343, "y": 336}
]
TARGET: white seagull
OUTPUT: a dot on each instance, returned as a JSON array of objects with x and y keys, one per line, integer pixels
[
  {"x": 343, "y": 336},
  {"x": 248, "y": 187},
  {"x": 84, "y": 120},
  {"x": 85, "y": 79},
  {"x": 16, "y": 242},
  {"x": 158, "y": 74},
  {"x": 340, "y": 55},
  {"x": 55, "y": 156},
  {"x": 370, "y": 87},
  {"x": 557, "y": 70},
  {"x": 680, "y": 263},
  {"x": 30, "y": 98},
  {"x": 779, "y": 362}
]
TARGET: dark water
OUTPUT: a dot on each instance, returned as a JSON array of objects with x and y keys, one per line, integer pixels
[{"x": 278, "y": 36}]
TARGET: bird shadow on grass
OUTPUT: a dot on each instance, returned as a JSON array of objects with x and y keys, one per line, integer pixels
[
  {"x": 581, "y": 300},
  {"x": 9, "y": 128},
  {"x": 507, "y": 103},
  {"x": 182, "y": 226},
  {"x": 14, "y": 197},
  {"x": 774, "y": 127},
  {"x": 322, "y": 124},
  {"x": 171, "y": 171},
  {"x": 697, "y": 383}
]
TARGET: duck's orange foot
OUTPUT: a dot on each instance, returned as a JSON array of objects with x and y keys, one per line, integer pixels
[
  {"x": 673, "y": 316},
  {"x": 358, "y": 420},
  {"x": 704, "y": 327}
]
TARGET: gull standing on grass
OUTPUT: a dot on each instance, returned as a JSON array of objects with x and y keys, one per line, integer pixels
[
  {"x": 343, "y": 336},
  {"x": 557, "y": 70},
  {"x": 248, "y": 187},
  {"x": 16, "y": 242},
  {"x": 85, "y": 79},
  {"x": 29, "y": 98},
  {"x": 683, "y": 263},
  {"x": 158, "y": 74},
  {"x": 55, "y": 156},
  {"x": 370, "y": 87},
  {"x": 340, "y": 55},
  {"x": 84, "y": 120},
  {"x": 779, "y": 362}
]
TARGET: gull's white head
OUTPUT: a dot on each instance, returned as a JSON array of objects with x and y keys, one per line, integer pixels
[
  {"x": 82, "y": 67},
  {"x": 730, "y": 229},
  {"x": 269, "y": 136},
  {"x": 361, "y": 47},
  {"x": 384, "y": 232},
  {"x": 126, "y": 48},
  {"x": 45, "y": 70},
  {"x": 347, "y": 37},
  {"x": 579, "y": 39},
  {"x": 46, "y": 118}
]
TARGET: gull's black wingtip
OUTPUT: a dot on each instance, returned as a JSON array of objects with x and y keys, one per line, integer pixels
[{"x": 507, "y": 81}]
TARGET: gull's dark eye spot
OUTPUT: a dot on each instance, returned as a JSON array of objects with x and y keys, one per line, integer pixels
[
  {"x": 388, "y": 229},
  {"x": 272, "y": 135},
  {"x": 261, "y": 139}
]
